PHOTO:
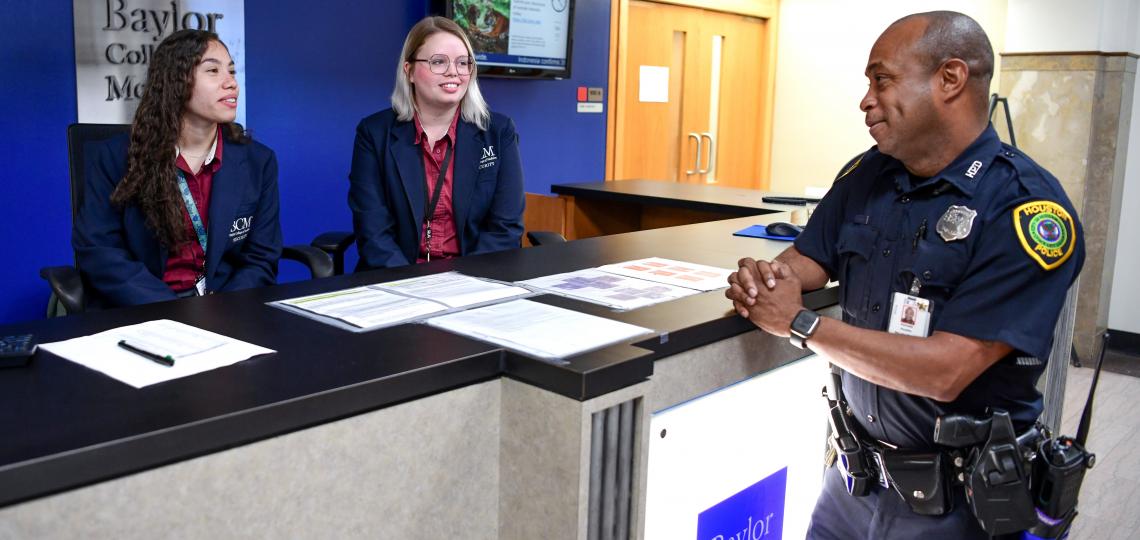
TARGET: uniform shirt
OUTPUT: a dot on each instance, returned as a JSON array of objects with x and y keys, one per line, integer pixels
[
  {"x": 187, "y": 262},
  {"x": 876, "y": 232},
  {"x": 444, "y": 242}
]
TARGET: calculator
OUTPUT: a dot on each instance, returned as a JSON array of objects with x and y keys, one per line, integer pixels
[{"x": 17, "y": 350}]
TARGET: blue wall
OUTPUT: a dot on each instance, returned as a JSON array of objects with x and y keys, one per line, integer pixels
[{"x": 312, "y": 73}]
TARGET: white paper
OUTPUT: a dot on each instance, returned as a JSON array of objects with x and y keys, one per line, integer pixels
[
  {"x": 621, "y": 292},
  {"x": 194, "y": 350},
  {"x": 653, "y": 84},
  {"x": 453, "y": 289},
  {"x": 537, "y": 329},
  {"x": 681, "y": 274},
  {"x": 366, "y": 307}
]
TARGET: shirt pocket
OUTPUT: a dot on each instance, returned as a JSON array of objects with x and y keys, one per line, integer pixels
[
  {"x": 855, "y": 244},
  {"x": 939, "y": 268}
]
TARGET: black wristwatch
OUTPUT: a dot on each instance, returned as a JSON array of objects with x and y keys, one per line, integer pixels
[{"x": 803, "y": 326}]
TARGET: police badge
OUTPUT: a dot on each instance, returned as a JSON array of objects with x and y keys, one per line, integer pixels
[{"x": 956, "y": 223}]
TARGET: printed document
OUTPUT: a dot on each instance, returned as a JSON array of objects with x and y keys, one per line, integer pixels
[
  {"x": 670, "y": 272},
  {"x": 194, "y": 350},
  {"x": 537, "y": 329},
  {"x": 453, "y": 289},
  {"x": 366, "y": 307},
  {"x": 619, "y": 292}
]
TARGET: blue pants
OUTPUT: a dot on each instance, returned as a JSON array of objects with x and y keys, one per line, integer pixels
[{"x": 883, "y": 515}]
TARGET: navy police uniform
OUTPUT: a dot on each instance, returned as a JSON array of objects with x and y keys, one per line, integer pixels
[{"x": 993, "y": 243}]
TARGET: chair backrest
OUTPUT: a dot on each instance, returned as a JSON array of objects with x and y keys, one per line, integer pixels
[{"x": 78, "y": 135}]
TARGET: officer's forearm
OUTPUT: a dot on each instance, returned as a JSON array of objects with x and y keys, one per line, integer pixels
[{"x": 937, "y": 367}]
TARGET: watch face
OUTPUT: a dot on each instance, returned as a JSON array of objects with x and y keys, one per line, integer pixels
[{"x": 805, "y": 322}]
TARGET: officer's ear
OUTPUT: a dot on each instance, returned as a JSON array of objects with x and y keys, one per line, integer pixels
[{"x": 951, "y": 78}]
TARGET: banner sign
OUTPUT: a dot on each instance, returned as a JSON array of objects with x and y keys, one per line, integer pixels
[
  {"x": 755, "y": 512},
  {"x": 115, "y": 39}
]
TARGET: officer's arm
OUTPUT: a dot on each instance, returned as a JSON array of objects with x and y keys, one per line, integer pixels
[{"x": 938, "y": 367}]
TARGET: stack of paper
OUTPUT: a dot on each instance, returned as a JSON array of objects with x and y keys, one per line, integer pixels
[
  {"x": 193, "y": 350},
  {"x": 681, "y": 274},
  {"x": 634, "y": 284},
  {"x": 620, "y": 292},
  {"x": 537, "y": 329},
  {"x": 406, "y": 300}
]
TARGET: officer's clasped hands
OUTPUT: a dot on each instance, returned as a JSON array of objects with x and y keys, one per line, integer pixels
[{"x": 768, "y": 293}]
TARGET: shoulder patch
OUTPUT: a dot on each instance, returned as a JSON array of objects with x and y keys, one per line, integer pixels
[{"x": 1046, "y": 231}]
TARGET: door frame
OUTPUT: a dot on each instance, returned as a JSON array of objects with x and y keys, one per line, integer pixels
[{"x": 619, "y": 21}]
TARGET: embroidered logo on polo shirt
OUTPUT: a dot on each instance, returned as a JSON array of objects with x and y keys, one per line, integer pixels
[
  {"x": 974, "y": 168},
  {"x": 1046, "y": 231},
  {"x": 489, "y": 158}
]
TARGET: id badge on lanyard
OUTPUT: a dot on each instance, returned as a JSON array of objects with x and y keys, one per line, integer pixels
[
  {"x": 429, "y": 206},
  {"x": 199, "y": 230},
  {"x": 910, "y": 314}
]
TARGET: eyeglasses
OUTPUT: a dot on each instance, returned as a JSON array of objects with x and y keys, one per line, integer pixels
[{"x": 438, "y": 64}]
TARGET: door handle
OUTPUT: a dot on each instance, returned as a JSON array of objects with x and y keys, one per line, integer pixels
[
  {"x": 712, "y": 153},
  {"x": 697, "y": 168}
]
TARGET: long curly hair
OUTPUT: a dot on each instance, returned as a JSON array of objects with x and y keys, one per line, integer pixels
[{"x": 151, "y": 181}]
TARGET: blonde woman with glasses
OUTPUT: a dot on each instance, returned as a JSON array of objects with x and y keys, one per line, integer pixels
[{"x": 438, "y": 175}]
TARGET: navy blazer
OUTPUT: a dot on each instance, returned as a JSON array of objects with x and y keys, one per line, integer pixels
[
  {"x": 388, "y": 189},
  {"x": 122, "y": 261}
]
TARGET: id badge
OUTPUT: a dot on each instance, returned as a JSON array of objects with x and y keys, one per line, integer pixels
[
  {"x": 910, "y": 315},
  {"x": 200, "y": 286}
]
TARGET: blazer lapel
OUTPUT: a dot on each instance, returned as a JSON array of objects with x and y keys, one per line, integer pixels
[
  {"x": 468, "y": 145},
  {"x": 225, "y": 193},
  {"x": 409, "y": 166}
]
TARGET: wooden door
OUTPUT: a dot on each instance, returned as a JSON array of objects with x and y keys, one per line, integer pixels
[{"x": 713, "y": 126}]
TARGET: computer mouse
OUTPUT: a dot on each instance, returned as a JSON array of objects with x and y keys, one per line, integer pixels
[{"x": 783, "y": 228}]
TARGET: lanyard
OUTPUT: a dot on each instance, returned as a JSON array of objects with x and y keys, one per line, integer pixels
[
  {"x": 195, "y": 217},
  {"x": 429, "y": 206}
]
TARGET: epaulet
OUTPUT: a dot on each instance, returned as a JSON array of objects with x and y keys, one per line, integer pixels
[{"x": 852, "y": 165}]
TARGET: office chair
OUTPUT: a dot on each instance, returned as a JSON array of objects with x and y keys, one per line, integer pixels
[
  {"x": 538, "y": 238},
  {"x": 68, "y": 295}
]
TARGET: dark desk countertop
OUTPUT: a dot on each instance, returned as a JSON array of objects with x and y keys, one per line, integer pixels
[
  {"x": 700, "y": 197},
  {"x": 66, "y": 426}
]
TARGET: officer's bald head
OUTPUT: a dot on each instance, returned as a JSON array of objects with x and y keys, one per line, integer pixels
[{"x": 949, "y": 35}]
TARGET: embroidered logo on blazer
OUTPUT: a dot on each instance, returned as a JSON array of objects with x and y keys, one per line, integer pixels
[
  {"x": 1046, "y": 231},
  {"x": 239, "y": 229},
  {"x": 489, "y": 158}
]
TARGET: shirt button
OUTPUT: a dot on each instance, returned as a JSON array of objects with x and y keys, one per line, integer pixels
[
  {"x": 905, "y": 199},
  {"x": 875, "y": 308},
  {"x": 886, "y": 253},
  {"x": 927, "y": 275},
  {"x": 871, "y": 418}
]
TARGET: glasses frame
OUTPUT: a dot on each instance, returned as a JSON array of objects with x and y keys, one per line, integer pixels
[{"x": 447, "y": 66}]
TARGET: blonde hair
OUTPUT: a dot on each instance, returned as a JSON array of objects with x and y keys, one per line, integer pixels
[{"x": 474, "y": 107}]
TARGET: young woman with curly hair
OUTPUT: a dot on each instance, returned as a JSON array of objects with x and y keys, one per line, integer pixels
[{"x": 187, "y": 204}]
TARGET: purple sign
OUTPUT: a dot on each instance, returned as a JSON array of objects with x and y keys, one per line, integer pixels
[{"x": 755, "y": 512}]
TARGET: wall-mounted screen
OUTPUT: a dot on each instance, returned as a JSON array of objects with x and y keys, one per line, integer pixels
[{"x": 517, "y": 38}]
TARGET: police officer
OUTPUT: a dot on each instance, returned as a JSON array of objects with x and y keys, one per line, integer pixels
[{"x": 940, "y": 221}]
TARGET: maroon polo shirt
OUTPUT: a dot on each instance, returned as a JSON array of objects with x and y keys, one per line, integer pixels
[
  {"x": 187, "y": 262},
  {"x": 444, "y": 242}
]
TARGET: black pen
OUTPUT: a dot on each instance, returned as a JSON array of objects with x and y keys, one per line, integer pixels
[{"x": 165, "y": 360}]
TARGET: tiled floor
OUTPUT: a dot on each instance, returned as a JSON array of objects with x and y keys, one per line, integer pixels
[{"x": 1110, "y": 497}]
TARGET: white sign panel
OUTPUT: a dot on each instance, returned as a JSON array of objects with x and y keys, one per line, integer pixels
[
  {"x": 704, "y": 451},
  {"x": 115, "y": 40}
]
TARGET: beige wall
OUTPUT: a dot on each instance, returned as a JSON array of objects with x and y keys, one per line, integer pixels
[{"x": 821, "y": 52}]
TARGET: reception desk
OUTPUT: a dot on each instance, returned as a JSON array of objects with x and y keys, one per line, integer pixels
[
  {"x": 403, "y": 432},
  {"x": 618, "y": 206}
]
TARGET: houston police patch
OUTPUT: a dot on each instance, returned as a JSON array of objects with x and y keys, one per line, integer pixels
[{"x": 1046, "y": 232}]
